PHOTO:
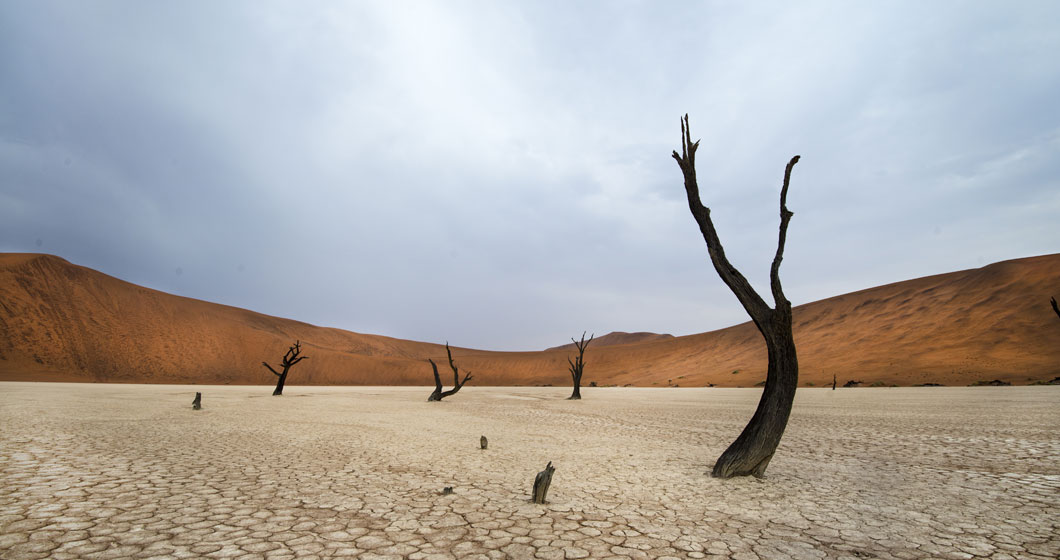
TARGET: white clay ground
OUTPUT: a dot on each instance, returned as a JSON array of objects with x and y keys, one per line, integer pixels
[{"x": 131, "y": 471}]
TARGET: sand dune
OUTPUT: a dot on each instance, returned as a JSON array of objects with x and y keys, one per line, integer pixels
[
  {"x": 616, "y": 338},
  {"x": 63, "y": 322}
]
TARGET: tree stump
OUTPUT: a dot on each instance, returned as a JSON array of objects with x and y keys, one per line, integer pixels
[
  {"x": 197, "y": 403},
  {"x": 542, "y": 482},
  {"x": 482, "y": 441}
]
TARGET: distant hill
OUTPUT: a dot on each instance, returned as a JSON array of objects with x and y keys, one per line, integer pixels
[
  {"x": 63, "y": 322},
  {"x": 616, "y": 338}
]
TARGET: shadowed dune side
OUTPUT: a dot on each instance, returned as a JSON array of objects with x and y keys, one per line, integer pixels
[
  {"x": 63, "y": 322},
  {"x": 615, "y": 339}
]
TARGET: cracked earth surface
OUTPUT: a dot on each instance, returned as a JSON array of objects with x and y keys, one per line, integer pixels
[{"x": 131, "y": 471}]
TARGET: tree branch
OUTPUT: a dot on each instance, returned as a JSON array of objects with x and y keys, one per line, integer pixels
[
  {"x": 437, "y": 379},
  {"x": 753, "y": 303},
  {"x": 270, "y": 369},
  {"x": 456, "y": 372},
  {"x": 785, "y": 216}
]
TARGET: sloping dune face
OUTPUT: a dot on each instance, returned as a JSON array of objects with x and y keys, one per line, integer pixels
[{"x": 63, "y": 322}]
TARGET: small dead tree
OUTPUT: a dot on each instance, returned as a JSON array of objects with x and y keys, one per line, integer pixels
[
  {"x": 197, "y": 403},
  {"x": 289, "y": 359},
  {"x": 541, "y": 483},
  {"x": 438, "y": 394},
  {"x": 834, "y": 381},
  {"x": 577, "y": 367},
  {"x": 751, "y": 452},
  {"x": 1052, "y": 300}
]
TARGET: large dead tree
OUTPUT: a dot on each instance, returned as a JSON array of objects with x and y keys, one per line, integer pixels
[
  {"x": 577, "y": 367},
  {"x": 438, "y": 394},
  {"x": 291, "y": 358},
  {"x": 751, "y": 452}
]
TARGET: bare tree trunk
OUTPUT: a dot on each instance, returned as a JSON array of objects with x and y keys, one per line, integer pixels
[
  {"x": 197, "y": 403},
  {"x": 753, "y": 449},
  {"x": 577, "y": 367},
  {"x": 289, "y": 360},
  {"x": 833, "y": 381},
  {"x": 438, "y": 394},
  {"x": 279, "y": 384}
]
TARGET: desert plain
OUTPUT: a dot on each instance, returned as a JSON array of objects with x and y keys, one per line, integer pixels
[{"x": 131, "y": 471}]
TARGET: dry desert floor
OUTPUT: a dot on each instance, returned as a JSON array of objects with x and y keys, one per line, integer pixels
[{"x": 131, "y": 471}]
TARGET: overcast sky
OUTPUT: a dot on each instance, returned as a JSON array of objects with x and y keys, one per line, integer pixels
[{"x": 498, "y": 174}]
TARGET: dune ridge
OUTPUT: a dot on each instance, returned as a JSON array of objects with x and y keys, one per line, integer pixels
[{"x": 64, "y": 322}]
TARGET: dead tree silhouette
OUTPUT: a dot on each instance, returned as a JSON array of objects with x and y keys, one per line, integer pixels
[
  {"x": 289, "y": 360},
  {"x": 751, "y": 452},
  {"x": 438, "y": 394},
  {"x": 577, "y": 367}
]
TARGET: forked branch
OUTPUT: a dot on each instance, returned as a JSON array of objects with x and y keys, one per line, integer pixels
[
  {"x": 290, "y": 358},
  {"x": 785, "y": 216},
  {"x": 438, "y": 394}
]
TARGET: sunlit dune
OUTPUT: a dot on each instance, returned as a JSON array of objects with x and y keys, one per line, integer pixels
[{"x": 63, "y": 322}]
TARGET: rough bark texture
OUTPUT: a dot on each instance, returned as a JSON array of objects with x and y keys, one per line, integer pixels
[
  {"x": 197, "y": 403},
  {"x": 577, "y": 367},
  {"x": 541, "y": 483},
  {"x": 438, "y": 394},
  {"x": 289, "y": 360},
  {"x": 753, "y": 449}
]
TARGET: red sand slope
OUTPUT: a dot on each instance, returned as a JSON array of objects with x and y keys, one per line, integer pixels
[{"x": 62, "y": 322}]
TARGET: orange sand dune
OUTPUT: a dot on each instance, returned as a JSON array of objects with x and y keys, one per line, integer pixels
[{"x": 62, "y": 322}]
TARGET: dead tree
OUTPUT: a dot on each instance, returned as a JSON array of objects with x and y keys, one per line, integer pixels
[
  {"x": 197, "y": 403},
  {"x": 751, "y": 452},
  {"x": 834, "y": 381},
  {"x": 1052, "y": 300},
  {"x": 577, "y": 367},
  {"x": 289, "y": 359},
  {"x": 541, "y": 483},
  {"x": 438, "y": 394}
]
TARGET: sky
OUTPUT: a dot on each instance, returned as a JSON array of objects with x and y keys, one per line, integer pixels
[{"x": 499, "y": 174}]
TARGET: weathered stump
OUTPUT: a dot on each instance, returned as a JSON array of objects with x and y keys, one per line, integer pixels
[
  {"x": 483, "y": 442},
  {"x": 447, "y": 490},
  {"x": 542, "y": 482},
  {"x": 197, "y": 403}
]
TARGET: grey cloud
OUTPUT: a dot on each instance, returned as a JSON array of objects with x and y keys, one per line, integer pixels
[{"x": 500, "y": 175}]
